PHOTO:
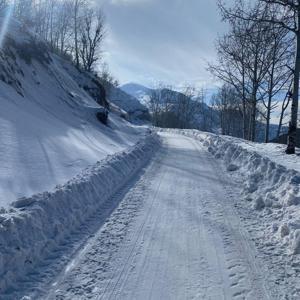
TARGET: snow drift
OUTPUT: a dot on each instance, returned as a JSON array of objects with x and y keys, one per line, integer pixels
[
  {"x": 269, "y": 183},
  {"x": 34, "y": 226}
]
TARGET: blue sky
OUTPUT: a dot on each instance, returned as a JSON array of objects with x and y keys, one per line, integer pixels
[{"x": 149, "y": 41}]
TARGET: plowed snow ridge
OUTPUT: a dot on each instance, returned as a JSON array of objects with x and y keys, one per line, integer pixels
[{"x": 37, "y": 225}]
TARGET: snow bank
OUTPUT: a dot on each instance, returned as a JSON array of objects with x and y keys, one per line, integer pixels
[
  {"x": 32, "y": 228},
  {"x": 270, "y": 187},
  {"x": 275, "y": 185}
]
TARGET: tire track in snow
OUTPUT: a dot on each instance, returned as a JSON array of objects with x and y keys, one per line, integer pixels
[
  {"x": 240, "y": 249},
  {"x": 181, "y": 242},
  {"x": 130, "y": 256}
]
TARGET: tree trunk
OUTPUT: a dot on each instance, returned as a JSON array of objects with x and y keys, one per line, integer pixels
[
  {"x": 76, "y": 32},
  {"x": 267, "y": 134},
  {"x": 269, "y": 106},
  {"x": 253, "y": 110},
  {"x": 244, "y": 107},
  {"x": 254, "y": 100},
  {"x": 253, "y": 121},
  {"x": 292, "y": 134}
]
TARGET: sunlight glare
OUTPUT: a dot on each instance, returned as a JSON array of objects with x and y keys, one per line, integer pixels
[{"x": 5, "y": 23}]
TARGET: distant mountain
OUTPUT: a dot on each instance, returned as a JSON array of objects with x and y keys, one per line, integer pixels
[
  {"x": 129, "y": 104},
  {"x": 138, "y": 91},
  {"x": 135, "y": 89}
]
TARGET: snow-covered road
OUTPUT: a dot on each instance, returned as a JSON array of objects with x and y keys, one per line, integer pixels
[{"x": 174, "y": 235}]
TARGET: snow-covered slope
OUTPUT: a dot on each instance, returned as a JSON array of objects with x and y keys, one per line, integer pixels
[{"x": 49, "y": 130}]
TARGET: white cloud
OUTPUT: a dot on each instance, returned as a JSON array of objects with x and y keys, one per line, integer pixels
[
  {"x": 117, "y": 2},
  {"x": 155, "y": 40}
]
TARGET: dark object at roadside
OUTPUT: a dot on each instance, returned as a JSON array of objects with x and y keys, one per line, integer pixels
[
  {"x": 97, "y": 91},
  {"x": 102, "y": 116}
]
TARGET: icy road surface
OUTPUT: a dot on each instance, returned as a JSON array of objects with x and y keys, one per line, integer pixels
[{"x": 174, "y": 235}]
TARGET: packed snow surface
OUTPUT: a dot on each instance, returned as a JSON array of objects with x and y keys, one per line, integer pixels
[{"x": 174, "y": 235}]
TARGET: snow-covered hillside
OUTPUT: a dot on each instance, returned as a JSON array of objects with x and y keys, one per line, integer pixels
[{"x": 49, "y": 130}]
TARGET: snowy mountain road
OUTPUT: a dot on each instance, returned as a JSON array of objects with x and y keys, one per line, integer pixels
[{"x": 174, "y": 235}]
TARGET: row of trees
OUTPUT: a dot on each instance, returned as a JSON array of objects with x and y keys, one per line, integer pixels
[
  {"x": 185, "y": 109},
  {"x": 75, "y": 28},
  {"x": 227, "y": 103},
  {"x": 259, "y": 62}
]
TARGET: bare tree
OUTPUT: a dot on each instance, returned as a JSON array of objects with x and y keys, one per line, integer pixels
[
  {"x": 279, "y": 74},
  {"x": 77, "y": 8},
  {"x": 242, "y": 63},
  {"x": 71, "y": 27},
  {"x": 155, "y": 106},
  {"x": 23, "y": 10},
  {"x": 284, "y": 105},
  {"x": 164, "y": 106},
  {"x": 186, "y": 107},
  {"x": 3, "y": 5},
  {"x": 63, "y": 26},
  {"x": 285, "y": 14},
  {"x": 92, "y": 34},
  {"x": 229, "y": 107}
]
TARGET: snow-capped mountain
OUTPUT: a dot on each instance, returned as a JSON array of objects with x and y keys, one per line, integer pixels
[
  {"x": 138, "y": 91},
  {"x": 131, "y": 104}
]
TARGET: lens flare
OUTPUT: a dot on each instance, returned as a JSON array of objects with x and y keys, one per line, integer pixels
[{"x": 5, "y": 22}]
